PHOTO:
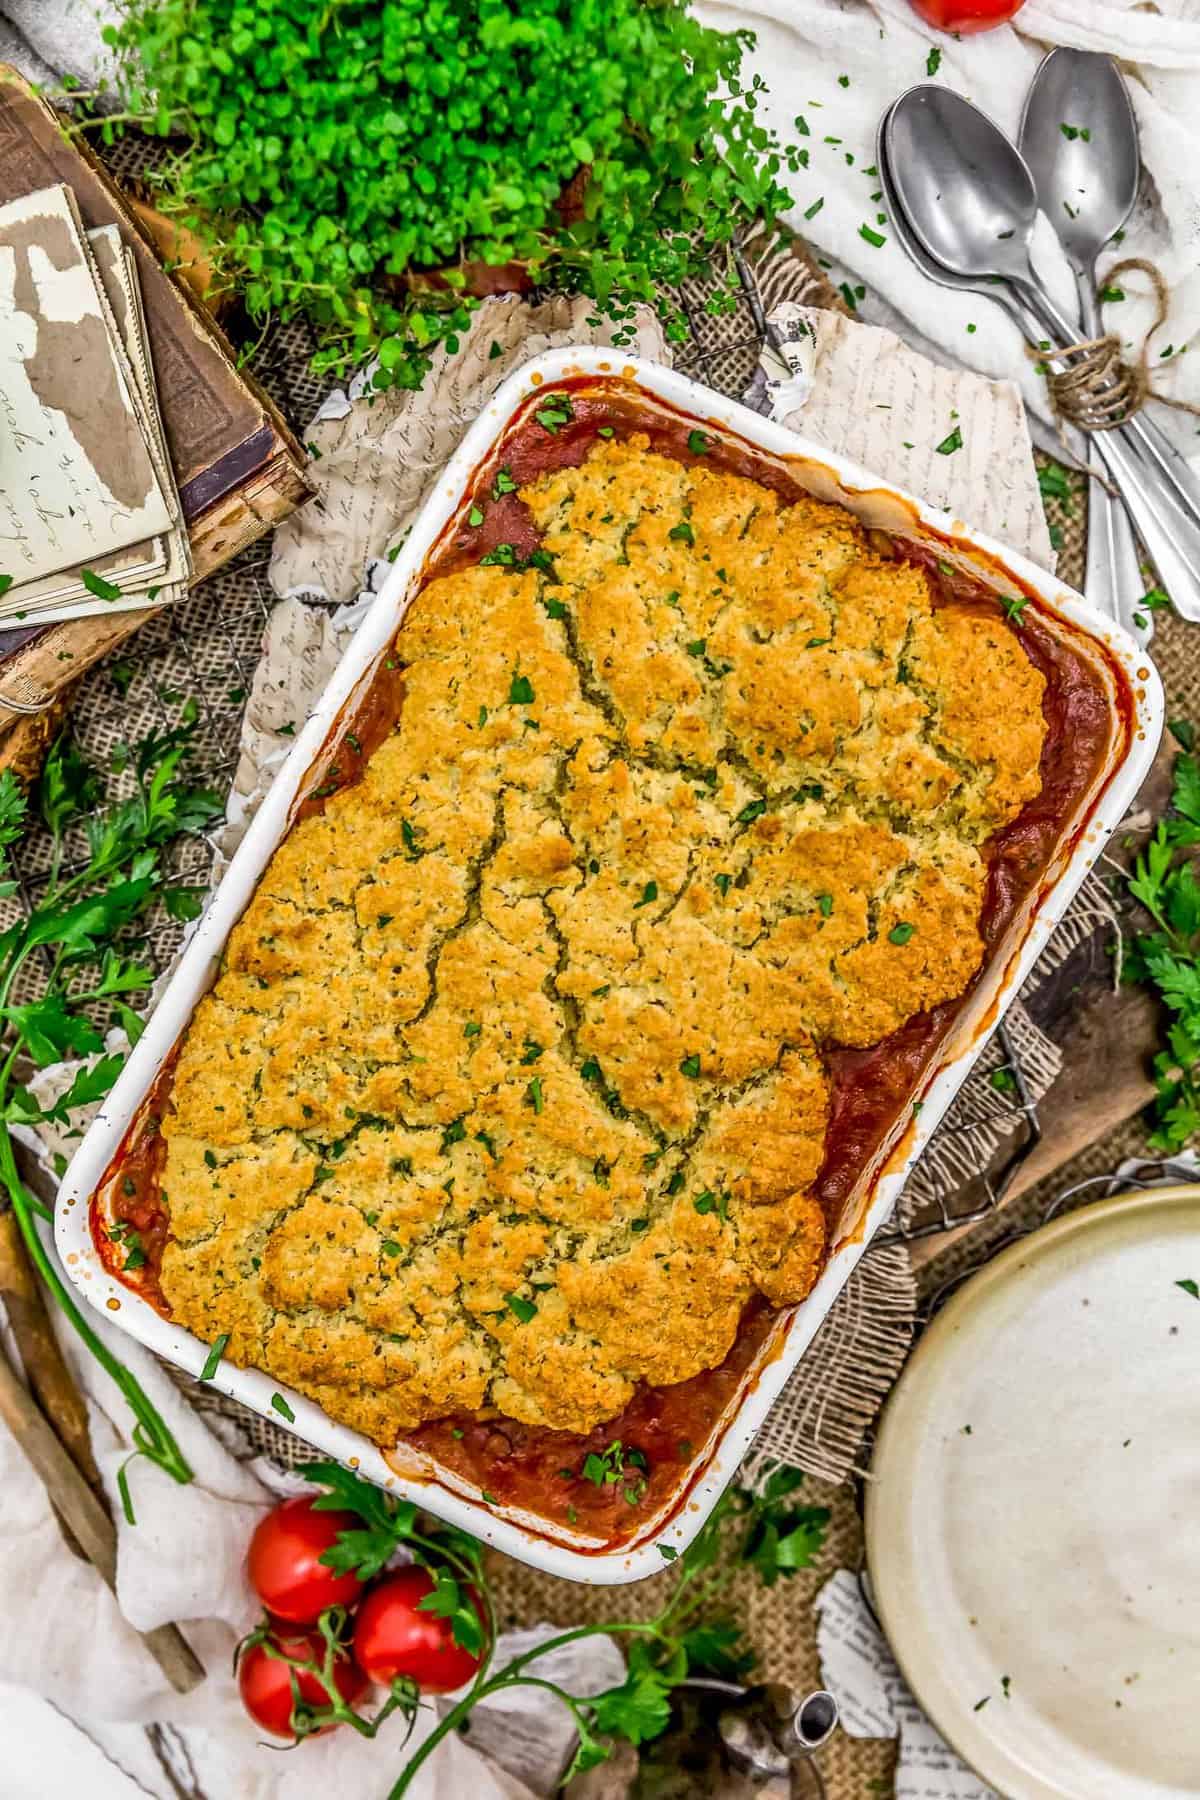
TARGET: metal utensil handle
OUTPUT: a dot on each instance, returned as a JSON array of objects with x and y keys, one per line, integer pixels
[
  {"x": 1113, "y": 568},
  {"x": 1170, "y": 534},
  {"x": 1156, "y": 446}
]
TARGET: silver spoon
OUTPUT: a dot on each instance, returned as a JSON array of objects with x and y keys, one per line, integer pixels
[
  {"x": 1079, "y": 137},
  {"x": 1004, "y": 168},
  {"x": 970, "y": 200},
  {"x": 1102, "y": 581}
]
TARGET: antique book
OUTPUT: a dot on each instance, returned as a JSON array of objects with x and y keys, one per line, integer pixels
[{"x": 238, "y": 466}]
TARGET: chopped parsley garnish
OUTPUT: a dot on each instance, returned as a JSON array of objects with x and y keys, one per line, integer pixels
[
  {"x": 390, "y": 1247},
  {"x": 534, "y": 1092},
  {"x": 532, "y": 1051},
  {"x": 754, "y": 809},
  {"x": 950, "y": 443},
  {"x": 722, "y": 884},
  {"x": 1003, "y": 1080},
  {"x": 900, "y": 934},
  {"x": 1013, "y": 607},
  {"x": 454, "y": 1133},
  {"x": 690, "y": 1065},
  {"x": 410, "y": 834},
  {"x": 503, "y": 554},
  {"x": 1071, "y": 132},
  {"x": 708, "y": 1202},
  {"x": 682, "y": 532},
  {"x": 283, "y": 1409},
  {"x": 698, "y": 444},
  {"x": 933, "y": 61},
  {"x": 475, "y": 516},
  {"x": 521, "y": 1309},
  {"x": 1154, "y": 599},
  {"x": 503, "y": 484},
  {"x": 825, "y": 905},
  {"x": 698, "y": 647},
  {"x": 472, "y": 1028},
  {"x": 1189, "y": 1287},
  {"x": 649, "y": 893},
  {"x": 554, "y": 411},
  {"x": 103, "y": 590},
  {"x": 212, "y": 1360},
  {"x": 210, "y": 1159},
  {"x": 590, "y": 1070},
  {"x": 608, "y": 1467},
  {"x": 604, "y": 431},
  {"x": 520, "y": 691},
  {"x": 668, "y": 1552}
]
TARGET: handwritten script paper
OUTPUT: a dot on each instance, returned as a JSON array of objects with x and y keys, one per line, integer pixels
[
  {"x": 858, "y": 1669},
  {"x": 955, "y": 438},
  {"x": 76, "y": 474}
]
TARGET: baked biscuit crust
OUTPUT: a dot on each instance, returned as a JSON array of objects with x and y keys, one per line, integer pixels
[{"x": 512, "y": 1092}]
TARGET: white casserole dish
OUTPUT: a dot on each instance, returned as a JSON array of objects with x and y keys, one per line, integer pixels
[{"x": 876, "y": 503}]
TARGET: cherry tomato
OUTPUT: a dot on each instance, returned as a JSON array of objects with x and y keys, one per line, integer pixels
[
  {"x": 392, "y": 1637},
  {"x": 966, "y": 17},
  {"x": 285, "y": 1567},
  {"x": 265, "y": 1684}
]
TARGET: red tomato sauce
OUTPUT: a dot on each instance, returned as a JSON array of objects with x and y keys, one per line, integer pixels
[{"x": 536, "y": 1469}]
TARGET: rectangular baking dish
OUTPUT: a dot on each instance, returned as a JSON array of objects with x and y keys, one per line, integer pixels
[{"x": 877, "y": 504}]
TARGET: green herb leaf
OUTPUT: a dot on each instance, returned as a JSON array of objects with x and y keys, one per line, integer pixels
[
  {"x": 283, "y": 1409},
  {"x": 520, "y": 1308},
  {"x": 900, "y": 934},
  {"x": 520, "y": 691},
  {"x": 96, "y": 584},
  {"x": 950, "y": 443},
  {"x": 213, "y": 1360}
]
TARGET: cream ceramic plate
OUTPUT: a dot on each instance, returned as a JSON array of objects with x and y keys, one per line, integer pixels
[{"x": 1034, "y": 1512}]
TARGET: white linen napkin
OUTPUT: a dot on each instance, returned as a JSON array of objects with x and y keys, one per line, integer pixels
[{"x": 838, "y": 64}]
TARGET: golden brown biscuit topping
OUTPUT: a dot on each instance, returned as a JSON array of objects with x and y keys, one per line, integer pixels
[{"x": 511, "y": 1093}]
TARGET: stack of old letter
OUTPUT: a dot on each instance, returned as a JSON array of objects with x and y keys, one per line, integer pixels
[{"x": 90, "y": 519}]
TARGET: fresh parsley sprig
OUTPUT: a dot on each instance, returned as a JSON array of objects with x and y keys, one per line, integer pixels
[
  {"x": 1167, "y": 957},
  {"x": 768, "y": 1532},
  {"x": 75, "y": 952}
]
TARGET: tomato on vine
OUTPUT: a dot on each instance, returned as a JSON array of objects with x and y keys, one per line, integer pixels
[
  {"x": 284, "y": 1561},
  {"x": 398, "y": 1634},
  {"x": 297, "y": 1684},
  {"x": 965, "y": 17}
]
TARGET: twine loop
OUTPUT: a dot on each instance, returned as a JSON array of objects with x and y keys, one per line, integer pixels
[{"x": 1096, "y": 389}]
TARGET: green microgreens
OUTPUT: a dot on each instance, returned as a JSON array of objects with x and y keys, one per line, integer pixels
[
  {"x": 325, "y": 153},
  {"x": 73, "y": 951}
]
